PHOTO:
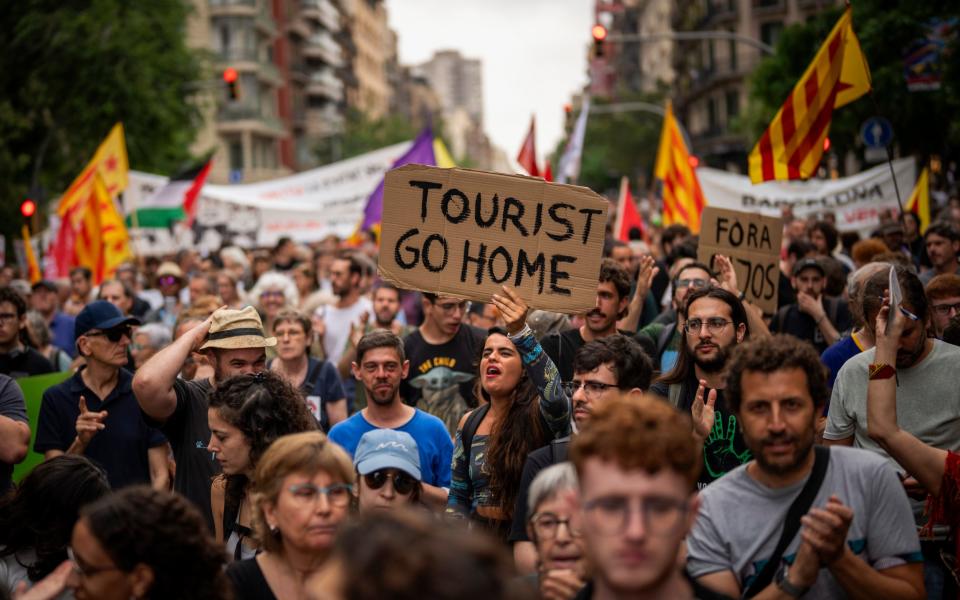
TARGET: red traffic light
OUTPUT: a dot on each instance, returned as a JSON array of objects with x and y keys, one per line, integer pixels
[
  {"x": 28, "y": 208},
  {"x": 693, "y": 161},
  {"x": 826, "y": 144},
  {"x": 599, "y": 32},
  {"x": 229, "y": 74}
]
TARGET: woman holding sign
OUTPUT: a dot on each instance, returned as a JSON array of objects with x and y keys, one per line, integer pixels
[{"x": 493, "y": 441}]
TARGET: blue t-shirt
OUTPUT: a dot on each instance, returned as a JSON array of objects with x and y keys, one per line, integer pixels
[
  {"x": 836, "y": 355},
  {"x": 433, "y": 443}
]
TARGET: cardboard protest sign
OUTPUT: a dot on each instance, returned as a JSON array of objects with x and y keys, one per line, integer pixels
[
  {"x": 463, "y": 233},
  {"x": 752, "y": 242}
]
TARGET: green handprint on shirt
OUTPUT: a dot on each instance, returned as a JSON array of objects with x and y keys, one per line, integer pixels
[{"x": 720, "y": 449}]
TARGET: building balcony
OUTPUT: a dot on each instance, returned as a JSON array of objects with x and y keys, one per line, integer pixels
[
  {"x": 322, "y": 46},
  {"x": 326, "y": 85},
  {"x": 246, "y": 60},
  {"x": 769, "y": 7},
  {"x": 237, "y": 118},
  {"x": 230, "y": 8},
  {"x": 324, "y": 122},
  {"x": 321, "y": 11},
  {"x": 718, "y": 12}
]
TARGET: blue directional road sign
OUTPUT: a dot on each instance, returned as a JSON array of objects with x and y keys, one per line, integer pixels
[{"x": 876, "y": 132}]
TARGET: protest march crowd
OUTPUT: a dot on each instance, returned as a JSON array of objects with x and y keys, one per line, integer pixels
[{"x": 282, "y": 423}]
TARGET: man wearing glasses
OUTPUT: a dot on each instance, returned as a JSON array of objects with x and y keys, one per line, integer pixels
[
  {"x": 853, "y": 537},
  {"x": 442, "y": 352},
  {"x": 943, "y": 292},
  {"x": 637, "y": 500},
  {"x": 716, "y": 321},
  {"x": 95, "y": 413},
  {"x": 16, "y": 358}
]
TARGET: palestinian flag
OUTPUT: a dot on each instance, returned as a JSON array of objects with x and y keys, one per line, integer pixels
[{"x": 176, "y": 201}]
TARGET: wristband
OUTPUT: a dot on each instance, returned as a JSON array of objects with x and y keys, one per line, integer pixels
[{"x": 881, "y": 371}]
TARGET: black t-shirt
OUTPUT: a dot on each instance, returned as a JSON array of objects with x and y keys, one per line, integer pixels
[
  {"x": 120, "y": 448},
  {"x": 724, "y": 449},
  {"x": 188, "y": 431},
  {"x": 24, "y": 362},
  {"x": 699, "y": 592},
  {"x": 538, "y": 460},
  {"x": 441, "y": 377},
  {"x": 790, "y": 319},
  {"x": 248, "y": 581},
  {"x": 785, "y": 293}
]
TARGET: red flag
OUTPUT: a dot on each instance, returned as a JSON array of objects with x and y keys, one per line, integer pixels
[
  {"x": 547, "y": 172},
  {"x": 627, "y": 216},
  {"x": 190, "y": 197},
  {"x": 528, "y": 152}
]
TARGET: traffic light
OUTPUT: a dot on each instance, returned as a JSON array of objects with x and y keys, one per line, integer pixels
[
  {"x": 27, "y": 208},
  {"x": 230, "y": 76},
  {"x": 599, "y": 35}
]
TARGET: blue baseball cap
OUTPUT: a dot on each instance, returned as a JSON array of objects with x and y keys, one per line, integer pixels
[
  {"x": 387, "y": 449},
  {"x": 101, "y": 315}
]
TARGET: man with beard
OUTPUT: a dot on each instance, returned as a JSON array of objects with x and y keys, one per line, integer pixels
[
  {"x": 235, "y": 344},
  {"x": 716, "y": 321},
  {"x": 346, "y": 274},
  {"x": 928, "y": 380},
  {"x": 855, "y": 537},
  {"x": 380, "y": 366},
  {"x": 613, "y": 297},
  {"x": 814, "y": 317},
  {"x": 943, "y": 245}
]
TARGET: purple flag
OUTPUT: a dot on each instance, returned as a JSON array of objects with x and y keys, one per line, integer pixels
[{"x": 421, "y": 153}]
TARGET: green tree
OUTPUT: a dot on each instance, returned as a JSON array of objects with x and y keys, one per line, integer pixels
[
  {"x": 70, "y": 70},
  {"x": 362, "y": 134},
  {"x": 924, "y": 122},
  {"x": 617, "y": 144}
]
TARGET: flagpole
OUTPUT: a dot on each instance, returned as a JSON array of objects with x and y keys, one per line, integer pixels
[{"x": 893, "y": 174}]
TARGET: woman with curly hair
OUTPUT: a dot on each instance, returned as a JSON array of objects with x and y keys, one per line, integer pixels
[
  {"x": 36, "y": 520},
  {"x": 514, "y": 418},
  {"x": 143, "y": 543},
  {"x": 301, "y": 498},
  {"x": 246, "y": 414}
]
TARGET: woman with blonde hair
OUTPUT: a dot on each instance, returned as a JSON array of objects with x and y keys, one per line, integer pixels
[{"x": 301, "y": 497}]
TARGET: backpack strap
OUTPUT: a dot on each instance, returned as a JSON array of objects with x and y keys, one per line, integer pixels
[
  {"x": 663, "y": 340},
  {"x": 791, "y": 525},
  {"x": 674, "y": 392},
  {"x": 470, "y": 427}
]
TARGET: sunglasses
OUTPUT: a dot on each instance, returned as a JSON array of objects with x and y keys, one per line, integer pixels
[
  {"x": 114, "y": 335},
  {"x": 167, "y": 280},
  {"x": 403, "y": 484}
]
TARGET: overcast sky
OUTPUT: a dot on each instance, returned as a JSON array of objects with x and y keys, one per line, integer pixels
[{"x": 533, "y": 53}]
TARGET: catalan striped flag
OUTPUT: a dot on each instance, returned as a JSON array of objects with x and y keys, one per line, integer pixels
[
  {"x": 683, "y": 199},
  {"x": 919, "y": 202},
  {"x": 792, "y": 146}
]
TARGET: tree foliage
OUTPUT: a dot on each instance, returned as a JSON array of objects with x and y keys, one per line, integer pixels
[
  {"x": 362, "y": 134},
  {"x": 70, "y": 70},
  {"x": 924, "y": 122},
  {"x": 617, "y": 144}
]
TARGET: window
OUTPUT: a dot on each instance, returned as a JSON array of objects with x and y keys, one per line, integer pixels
[
  {"x": 770, "y": 32},
  {"x": 732, "y": 48},
  {"x": 733, "y": 104},
  {"x": 712, "y": 124},
  {"x": 225, "y": 40},
  {"x": 236, "y": 156}
]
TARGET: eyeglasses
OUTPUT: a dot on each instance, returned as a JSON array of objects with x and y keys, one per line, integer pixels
[
  {"x": 7, "y": 317},
  {"x": 403, "y": 484},
  {"x": 546, "y": 526},
  {"x": 451, "y": 307},
  {"x": 591, "y": 389},
  {"x": 610, "y": 515},
  {"x": 114, "y": 335},
  {"x": 167, "y": 280},
  {"x": 941, "y": 309},
  {"x": 694, "y": 283},
  {"x": 271, "y": 294},
  {"x": 714, "y": 325},
  {"x": 337, "y": 495},
  {"x": 86, "y": 570}
]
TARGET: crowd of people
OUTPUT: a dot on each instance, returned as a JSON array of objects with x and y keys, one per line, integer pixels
[{"x": 283, "y": 424}]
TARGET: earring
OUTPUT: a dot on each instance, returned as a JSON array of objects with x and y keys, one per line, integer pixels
[{"x": 274, "y": 529}]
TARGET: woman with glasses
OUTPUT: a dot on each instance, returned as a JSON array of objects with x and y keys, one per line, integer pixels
[
  {"x": 246, "y": 414},
  {"x": 514, "y": 418},
  {"x": 301, "y": 498},
  {"x": 316, "y": 379},
  {"x": 37, "y": 519},
  {"x": 388, "y": 470},
  {"x": 554, "y": 528},
  {"x": 143, "y": 543}
]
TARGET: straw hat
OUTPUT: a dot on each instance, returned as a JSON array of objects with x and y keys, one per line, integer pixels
[
  {"x": 169, "y": 268},
  {"x": 234, "y": 329}
]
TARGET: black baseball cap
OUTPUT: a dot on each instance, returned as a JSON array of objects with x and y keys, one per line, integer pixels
[
  {"x": 809, "y": 263},
  {"x": 45, "y": 284}
]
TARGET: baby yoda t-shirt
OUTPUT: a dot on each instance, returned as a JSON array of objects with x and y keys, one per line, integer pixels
[{"x": 441, "y": 377}]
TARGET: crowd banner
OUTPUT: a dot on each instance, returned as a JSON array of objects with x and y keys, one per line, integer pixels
[
  {"x": 857, "y": 201},
  {"x": 464, "y": 233},
  {"x": 306, "y": 207},
  {"x": 752, "y": 243}
]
